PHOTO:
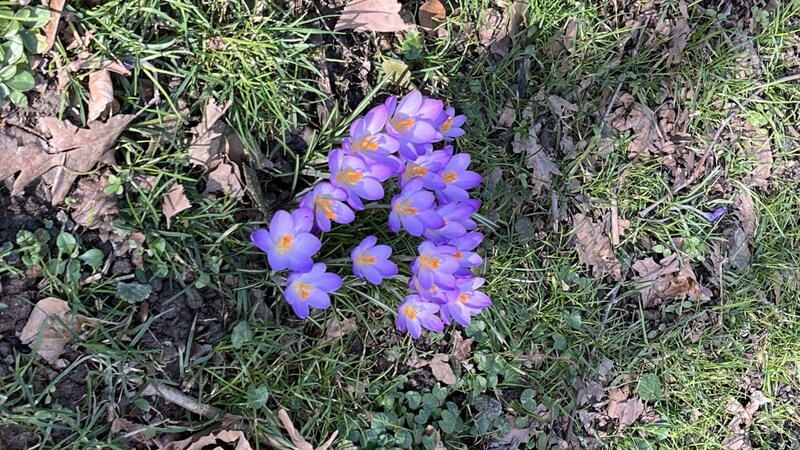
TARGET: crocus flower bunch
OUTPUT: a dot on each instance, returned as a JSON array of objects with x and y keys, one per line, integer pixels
[{"x": 393, "y": 144}]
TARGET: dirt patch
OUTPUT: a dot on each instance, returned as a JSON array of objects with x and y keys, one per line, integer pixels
[{"x": 16, "y": 437}]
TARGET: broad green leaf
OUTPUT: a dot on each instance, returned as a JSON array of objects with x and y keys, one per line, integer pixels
[
  {"x": 241, "y": 334},
  {"x": 8, "y": 72},
  {"x": 649, "y": 387},
  {"x": 18, "y": 98},
  {"x": 41, "y": 16},
  {"x": 66, "y": 243},
  {"x": 573, "y": 320},
  {"x": 28, "y": 40},
  {"x": 528, "y": 399},
  {"x": 257, "y": 396},
  {"x": 93, "y": 258},
  {"x": 133, "y": 292},
  {"x": 22, "y": 82},
  {"x": 449, "y": 422},
  {"x": 559, "y": 341},
  {"x": 414, "y": 399},
  {"x": 4, "y": 92},
  {"x": 14, "y": 50}
]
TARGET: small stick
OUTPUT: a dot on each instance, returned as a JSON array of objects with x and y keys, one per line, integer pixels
[
  {"x": 172, "y": 395},
  {"x": 614, "y": 222},
  {"x": 611, "y": 104},
  {"x": 710, "y": 149}
]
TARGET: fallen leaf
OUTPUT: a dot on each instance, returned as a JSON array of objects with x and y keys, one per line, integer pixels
[
  {"x": 490, "y": 27},
  {"x": 542, "y": 167},
  {"x": 678, "y": 41},
  {"x": 207, "y": 143},
  {"x": 337, "y": 328},
  {"x": 508, "y": 115},
  {"x": 461, "y": 348},
  {"x": 83, "y": 148},
  {"x": 746, "y": 212},
  {"x": 605, "y": 366},
  {"x": 212, "y": 440},
  {"x": 101, "y": 93},
  {"x": 371, "y": 15},
  {"x": 630, "y": 115},
  {"x": 561, "y": 106},
  {"x": 397, "y": 71},
  {"x": 175, "y": 202},
  {"x": 626, "y": 411},
  {"x": 667, "y": 279},
  {"x": 51, "y": 29},
  {"x": 739, "y": 254},
  {"x": 53, "y": 323},
  {"x": 295, "y": 436},
  {"x": 594, "y": 248},
  {"x": 761, "y": 151},
  {"x": 226, "y": 178},
  {"x": 27, "y": 154},
  {"x": 440, "y": 367},
  {"x": 431, "y": 14},
  {"x": 94, "y": 207}
]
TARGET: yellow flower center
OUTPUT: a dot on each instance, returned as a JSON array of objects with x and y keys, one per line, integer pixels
[
  {"x": 326, "y": 205},
  {"x": 458, "y": 256},
  {"x": 285, "y": 243},
  {"x": 415, "y": 171},
  {"x": 402, "y": 126},
  {"x": 449, "y": 177},
  {"x": 365, "y": 259},
  {"x": 463, "y": 298},
  {"x": 405, "y": 208},
  {"x": 349, "y": 177},
  {"x": 447, "y": 124},
  {"x": 427, "y": 261},
  {"x": 410, "y": 312},
  {"x": 369, "y": 143}
]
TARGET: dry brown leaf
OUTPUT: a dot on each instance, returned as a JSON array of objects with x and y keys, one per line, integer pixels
[
  {"x": 295, "y": 436},
  {"x": 83, "y": 148},
  {"x": 175, "y": 202},
  {"x": 665, "y": 280},
  {"x": 202, "y": 442},
  {"x": 461, "y": 348},
  {"x": 677, "y": 43},
  {"x": 51, "y": 29},
  {"x": 631, "y": 115},
  {"x": 562, "y": 106},
  {"x": 627, "y": 411},
  {"x": 739, "y": 254},
  {"x": 397, "y": 71},
  {"x": 440, "y": 367},
  {"x": 94, "y": 207},
  {"x": 101, "y": 93},
  {"x": 761, "y": 151},
  {"x": 372, "y": 15},
  {"x": 54, "y": 325},
  {"x": 746, "y": 211},
  {"x": 594, "y": 248},
  {"x": 27, "y": 154},
  {"x": 431, "y": 14},
  {"x": 508, "y": 115},
  {"x": 337, "y": 328},
  {"x": 542, "y": 167},
  {"x": 226, "y": 178},
  {"x": 207, "y": 143}
]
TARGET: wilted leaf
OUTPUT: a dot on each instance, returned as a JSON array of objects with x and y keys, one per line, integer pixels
[
  {"x": 739, "y": 254},
  {"x": 665, "y": 280},
  {"x": 594, "y": 248},
  {"x": 53, "y": 323},
  {"x": 295, "y": 436},
  {"x": 561, "y": 106},
  {"x": 207, "y": 143},
  {"x": 630, "y": 115},
  {"x": 25, "y": 153},
  {"x": 83, "y": 148},
  {"x": 101, "y": 93},
  {"x": 337, "y": 328},
  {"x": 51, "y": 29},
  {"x": 431, "y": 14},
  {"x": 226, "y": 179},
  {"x": 94, "y": 207},
  {"x": 397, "y": 71},
  {"x": 372, "y": 15},
  {"x": 175, "y": 202},
  {"x": 461, "y": 348},
  {"x": 678, "y": 41},
  {"x": 440, "y": 367},
  {"x": 542, "y": 167},
  {"x": 234, "y": 439},
  {"x": 761, "y": 151}
]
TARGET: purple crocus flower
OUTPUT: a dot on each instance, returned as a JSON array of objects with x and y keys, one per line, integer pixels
[
  {"x": 327, "y": 201},
  {"x": 371, "y": 261},
  {"x": 288, "y": 243},
  {"x": 451, "y": 125},
  {"x": 716, "y": 214},
  {"x": 465, "y": 255},
  {"x": 367, "y": 140},
  {"x": 414, "y": 120},
  {"x": 415, "y": 313},
  {"x": 457, "y": 221},
  {"x": 435, "y": 264},
  {"x": 458, "y": 179},
  {"x": 464, "y": 301},
  {"x": 428, "y": 167},
  {"x": 432, "y": 294},
  {"x": 311, "y": 289},
  {"x": 412, "y": 209},
  {"x": 358, "y": 178}
]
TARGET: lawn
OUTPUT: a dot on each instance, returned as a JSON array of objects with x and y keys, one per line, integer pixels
[{"x": 640, "y": 206}]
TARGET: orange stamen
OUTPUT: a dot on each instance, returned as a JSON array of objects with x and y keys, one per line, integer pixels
[
  {"x": 404, "y": 125},
  {"x": 410, "y": 312},
  {"x": 349, "y": 178},
  {"x": 458, "y": 256},
  {"x": 369, "y": 143},
  {"x": 447, "y": 124},
  {"x": 449, "y": 177},
  {"x": 415, "y": 171},
  {"x": 326, "y": 205},
  {"x": 365, "y": 259},
  {"x": 463, "y": 298},
  {"x": 429, "y": 262},
  {"x": 405, "y": 208},
  {"x": 304, "y": 290},
  {"x": 285, "y": 243}
]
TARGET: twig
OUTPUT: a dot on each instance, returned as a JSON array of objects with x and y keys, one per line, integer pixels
[
  {"x": 710, "y": 149},
  {"x": 611, "y": 104},
  {"x": 612, "y": 295},
  {"x": 177, "y": 397}
]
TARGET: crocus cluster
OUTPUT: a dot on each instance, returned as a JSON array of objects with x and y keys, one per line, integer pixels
[{"x": 393, "y": 147}]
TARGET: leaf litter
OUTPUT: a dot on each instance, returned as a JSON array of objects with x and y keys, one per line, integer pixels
[
  {"x": 372, "y": 15},
  {"x": 594, "y": 248},
  {"x": 667, "y": 279},
  {"x": 52, "y": 325},
  {"x": 175, "y": 202},
  {"x": 220, "y": 150}
]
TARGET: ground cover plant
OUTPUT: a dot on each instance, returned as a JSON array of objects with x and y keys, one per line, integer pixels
[{"x": 639, "y": 211}]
